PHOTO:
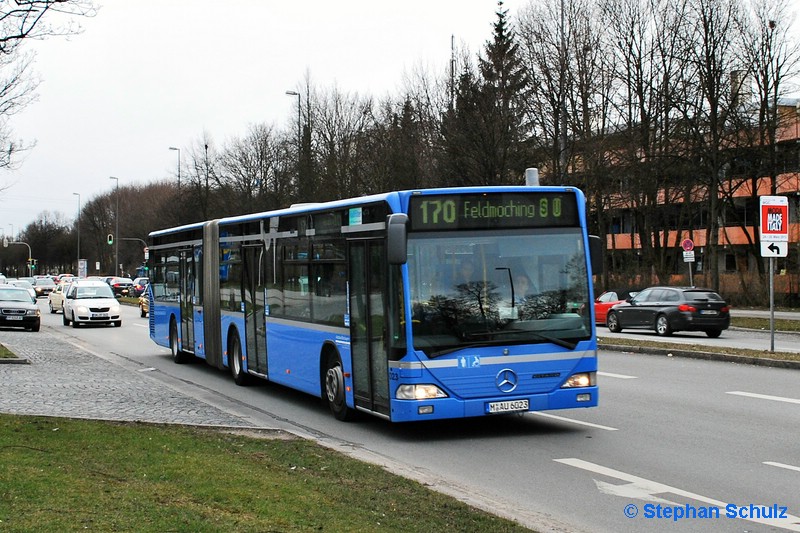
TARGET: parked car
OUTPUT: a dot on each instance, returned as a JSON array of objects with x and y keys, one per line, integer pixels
[
  {"x": 139, "y": 285},
  {"x": 121, "y": 286},
  {"x": 18, "y": 309},
  {"x": 55, "y": 300},
  {"x": 609, "y": 299},
  {"x": 144, "y": 304},
  {"x": 43, "y": 285},
  {"x": 669, "y": 309},
  {"x": 91, "y": 302}
]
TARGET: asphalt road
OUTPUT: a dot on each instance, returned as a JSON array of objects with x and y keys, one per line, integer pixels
[{"x": 682, "y": 433}]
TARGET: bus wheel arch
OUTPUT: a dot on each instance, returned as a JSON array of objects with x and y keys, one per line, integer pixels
[
  {"x": 333, "y": 385},
  {"x": 240, "y": 377}
]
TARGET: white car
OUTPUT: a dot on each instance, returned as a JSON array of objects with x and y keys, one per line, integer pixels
[
  {"x": 55, "y": 300},
  {"x": 91, "y": 302},
  {"x": 25, "y": 284}
]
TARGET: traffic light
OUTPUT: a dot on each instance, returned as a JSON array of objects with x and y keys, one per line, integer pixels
[{"x": 110, "y": 238}]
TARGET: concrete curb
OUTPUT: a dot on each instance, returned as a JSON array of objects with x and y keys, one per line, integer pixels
[
  {"x": 14, "y": 361},
  {"x": 677, "y": 352}
]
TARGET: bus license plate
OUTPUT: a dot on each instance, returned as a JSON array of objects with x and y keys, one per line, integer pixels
[{"x": 508, "y": 406}]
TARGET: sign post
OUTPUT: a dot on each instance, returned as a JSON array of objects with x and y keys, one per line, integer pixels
[
  {"x": 688, "y": 256},
  {"x": 774, "y": 236}
]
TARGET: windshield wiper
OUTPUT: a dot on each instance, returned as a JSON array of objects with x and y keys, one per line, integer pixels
[
  {"x": 559, "y": 342},
  {"x": 466, "y": 346},
  {"x": 555, "y": 340}
]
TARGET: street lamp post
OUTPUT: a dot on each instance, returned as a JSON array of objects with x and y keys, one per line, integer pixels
[
  {"x": 299, "y": 134},
  {"x": 179, "y": 166},
  {"x": 78, "y": 260},
  {"x": 116, "y": 229},
  {"x": 6, "y": 242}
]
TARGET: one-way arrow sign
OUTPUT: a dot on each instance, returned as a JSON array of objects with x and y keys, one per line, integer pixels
[{"x": 774, "y": 249}]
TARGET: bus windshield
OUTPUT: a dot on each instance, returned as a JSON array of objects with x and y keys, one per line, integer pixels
[{"x": 492, "y": 287}]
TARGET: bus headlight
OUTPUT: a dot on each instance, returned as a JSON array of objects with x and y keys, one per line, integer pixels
[
  {"x": 583, "y": 379},
  {"x": 419, "y": 392}
]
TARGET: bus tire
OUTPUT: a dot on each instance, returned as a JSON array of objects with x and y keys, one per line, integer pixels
[
  {"x": 178, "y": 355},
  {"x": 235, "y": 360},
  {"x": 334, "y": 392}
]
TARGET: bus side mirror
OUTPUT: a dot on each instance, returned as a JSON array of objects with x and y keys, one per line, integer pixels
[
  {"x": 397, "y": 238},
  {"x": 596, "y": 254}
]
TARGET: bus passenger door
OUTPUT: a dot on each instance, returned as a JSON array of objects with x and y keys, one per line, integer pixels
[
  {"x": 187, "y": 307},
  {"x": 254, "y": 303},
  {"x": 367, "y": 324}
]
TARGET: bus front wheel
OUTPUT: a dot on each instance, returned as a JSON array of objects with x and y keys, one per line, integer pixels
[{"x": 335, "y": 389}]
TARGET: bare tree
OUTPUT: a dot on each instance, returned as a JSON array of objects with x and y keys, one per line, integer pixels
[
  {"x": 426, "y": 97},
  {"x": 339, "y": 120},
  {"x": 197, "y": 202},
  {"x": 540, "y": 29},
  {"x": 20, "y": 21},
  {"x": 248, "y": 178}
]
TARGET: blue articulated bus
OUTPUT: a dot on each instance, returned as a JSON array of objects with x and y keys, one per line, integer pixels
[{"x": 410, "y": 305}]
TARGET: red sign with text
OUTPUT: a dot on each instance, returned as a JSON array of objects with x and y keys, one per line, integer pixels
[{"x": 774, "y": 218}]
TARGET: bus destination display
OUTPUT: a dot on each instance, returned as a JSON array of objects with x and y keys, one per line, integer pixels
[{"x": 485, "y": 211}]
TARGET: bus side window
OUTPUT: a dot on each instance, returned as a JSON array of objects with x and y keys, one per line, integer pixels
[{"x": 295, "y": 291}]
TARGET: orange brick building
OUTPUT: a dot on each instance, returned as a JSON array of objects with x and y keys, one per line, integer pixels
[{"x": 739, "y": 249}]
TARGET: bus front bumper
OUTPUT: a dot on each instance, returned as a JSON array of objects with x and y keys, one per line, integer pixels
[{"x": 441, "y": 408}]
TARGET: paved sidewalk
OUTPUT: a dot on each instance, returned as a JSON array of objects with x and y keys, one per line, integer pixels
[{"x": 62, "y": 380}]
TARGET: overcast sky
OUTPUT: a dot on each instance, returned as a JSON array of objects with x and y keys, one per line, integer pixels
[{"x": 149, "y": 74}]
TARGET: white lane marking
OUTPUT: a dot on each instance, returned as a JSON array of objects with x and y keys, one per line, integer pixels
[
  {"x": 561, "y": 418},
  {"x": 645, "y": 489},
  {"x": 141, "y": 325},
  {"x": 781, "y": 465},
  {"x": 618, "y": 376},
  {"x": 764, "y": 396}
]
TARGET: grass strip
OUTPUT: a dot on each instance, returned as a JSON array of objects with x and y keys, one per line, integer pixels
[
  {"x": 6, "y": 353},
  {"x": 76, "y": 475}
]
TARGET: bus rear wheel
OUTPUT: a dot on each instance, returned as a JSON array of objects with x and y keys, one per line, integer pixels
[
  {"x": 335, "y": 389},
  {"x": 178, "y": 355},
  {"x": 235, "y": 361}
]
